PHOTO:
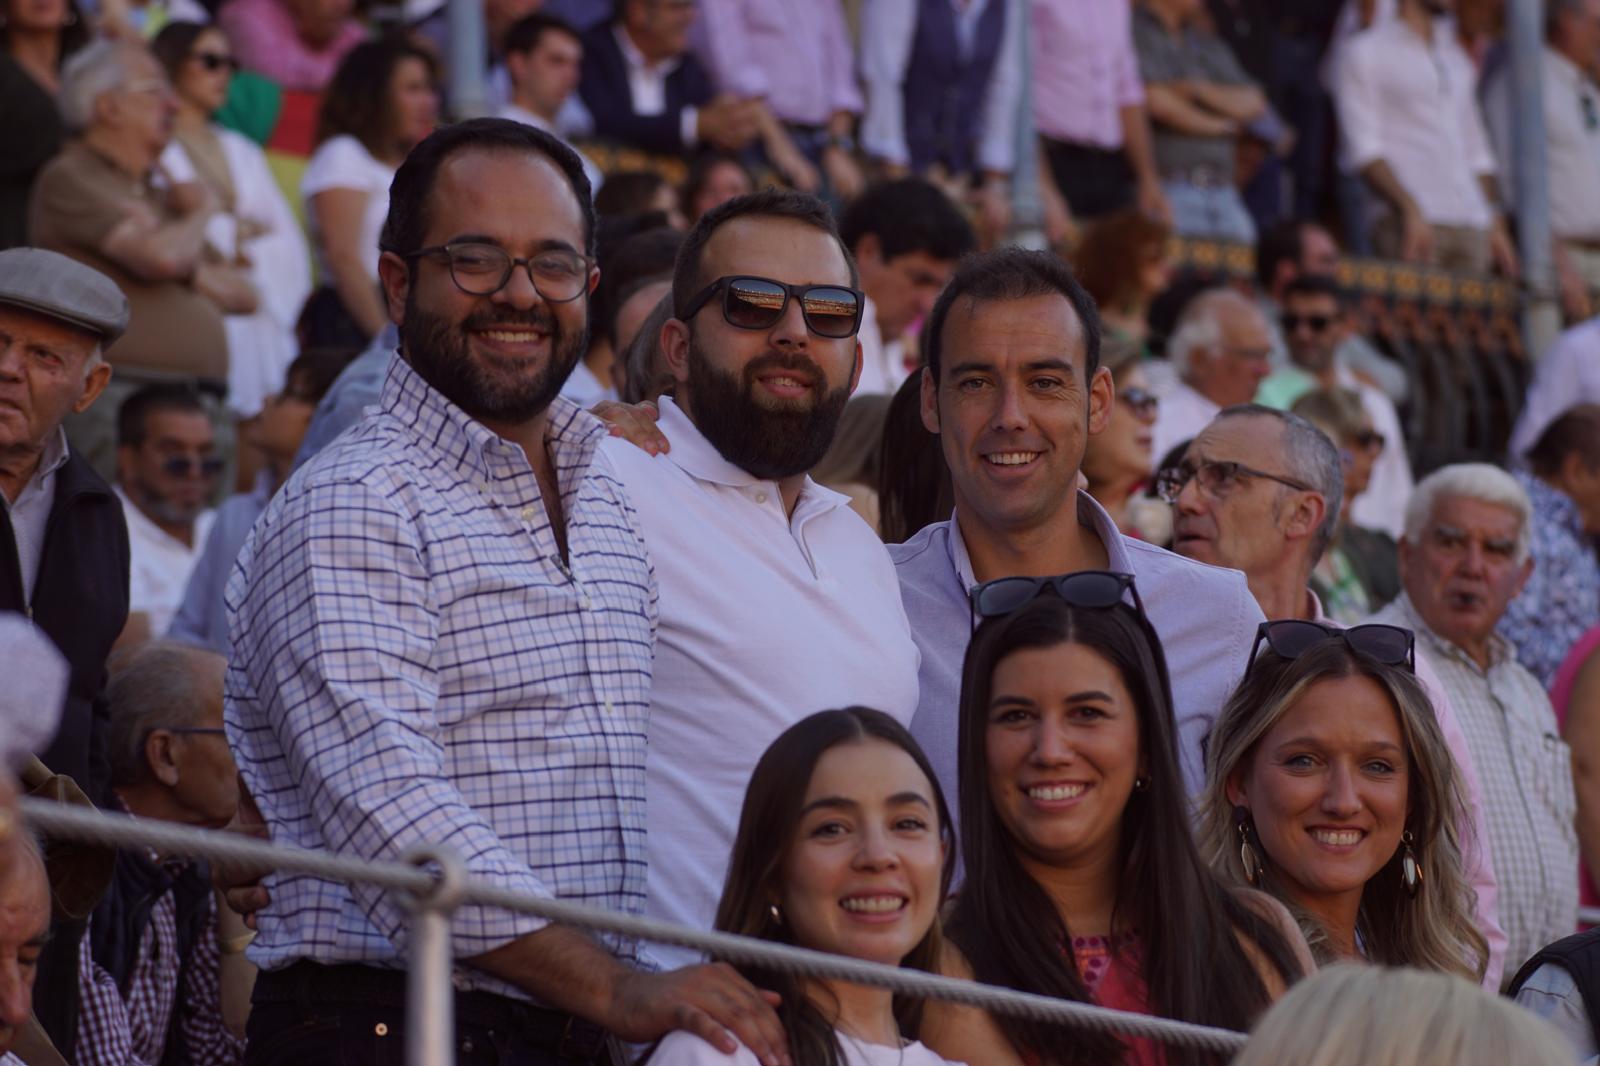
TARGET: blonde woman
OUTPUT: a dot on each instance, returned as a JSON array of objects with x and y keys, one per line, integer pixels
[
  {"x": 1370, "y": 1016},
  {"x": 1330, "y": 787}
]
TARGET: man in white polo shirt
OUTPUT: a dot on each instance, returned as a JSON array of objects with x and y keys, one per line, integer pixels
[{"x": 777, "y": 601}]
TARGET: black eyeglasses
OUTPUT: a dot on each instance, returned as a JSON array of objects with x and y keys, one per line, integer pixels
[
  {"x": 1318, "y": 323},
  {"x": 215, "y": 61},
  {"x": 832, "y": 311},
  {"x": 559, "y": 275},
  {"x": 1143, "y": 402},
  {"x": 1093, "y": 589},
  {"x": 1290, "y": 638},
  {"x": 1214, "y": 479},
  {"x": 188, "y": 466}
]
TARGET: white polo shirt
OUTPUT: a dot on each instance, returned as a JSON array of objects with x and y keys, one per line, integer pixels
[
  {"x": 160, "y": 564},
  {"x": 765, "y": 618}
]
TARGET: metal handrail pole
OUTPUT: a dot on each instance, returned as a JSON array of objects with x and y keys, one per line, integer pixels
[{"x": 430, "y": 988}]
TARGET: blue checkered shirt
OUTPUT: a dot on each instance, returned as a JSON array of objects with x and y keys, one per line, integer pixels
[{"x": 414, "y": 663}]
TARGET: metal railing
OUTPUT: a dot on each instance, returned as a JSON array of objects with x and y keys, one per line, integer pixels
[{"x": 436, "y": 883}]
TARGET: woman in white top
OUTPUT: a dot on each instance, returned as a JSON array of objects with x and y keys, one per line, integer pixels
[
  {"x": 255, "y": 228},
  {"x": 844, "y": 846},
  {"x": 381, "y": 102}
]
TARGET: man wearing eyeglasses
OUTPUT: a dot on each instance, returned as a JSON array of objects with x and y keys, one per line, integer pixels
[
  {"x": 1221, "y": 349},
  {"x": 1314, "y": 327},
  {"x": 167, "y": 470}
]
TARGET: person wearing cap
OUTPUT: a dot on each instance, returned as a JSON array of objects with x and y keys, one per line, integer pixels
[{"x": 63, "y": 541}]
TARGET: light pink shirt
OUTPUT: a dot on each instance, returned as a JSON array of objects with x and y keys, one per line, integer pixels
[
  {"x": 1084, "y": 70},
  {"x": 264, "y": 40},
  {"x": 796, "y": 56}
]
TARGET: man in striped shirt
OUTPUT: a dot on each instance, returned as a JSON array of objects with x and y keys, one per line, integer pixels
[{"x": 442, "y": 630}]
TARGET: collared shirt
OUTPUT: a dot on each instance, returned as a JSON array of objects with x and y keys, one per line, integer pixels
[
  {"x": 1182, "y": 415},
  {"x": 1526, "y": 771},
  {"x": 160, "y": 564},
  {"x": 1572, "y": 142},
  {"x": 1566, "y": 375},
  {"x": 647, "y": 85},
  {"x": 888, "y": 29},
  {"x": 1561, "y": 601},
  {"x": 1081, "y": 101},
  {"x": 518, "y": 113},
  {"x": 766, "y": 617},
  {"x": 415, "y": 663},
  {"x": 29, "y": 513},
  {"x": 1413, "y": 104},
  {"x": 1205, "y": 616},
  {"x": 797, "y": 57},
  {"x": 200, "y": 619},
  {"x": 268, "y": 44},
  {"x": 1551, "y": 993}
]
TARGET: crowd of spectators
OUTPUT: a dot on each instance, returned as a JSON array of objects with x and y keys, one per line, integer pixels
[{"x": 535, "y": 484}]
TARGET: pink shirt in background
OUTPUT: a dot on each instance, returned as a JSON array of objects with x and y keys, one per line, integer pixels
[
  {"x": 797, "y": 56},
  {"x": 1084, "y": 70},
  {"x": 264, "y": 41},
  {"x": 1560, "y": 697}
]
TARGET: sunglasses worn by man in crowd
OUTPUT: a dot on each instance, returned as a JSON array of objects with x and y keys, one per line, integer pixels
[
  {"x": 832, "y": 311},
  {"x": 188, "y": 466},
  {"x": 1318, "y": 323},
  {"x": 1290, "y": 638},
  {"x": 1090, "y": 589}
]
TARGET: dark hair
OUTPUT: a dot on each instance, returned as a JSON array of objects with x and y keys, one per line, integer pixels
[
  {"x": 1113, "y": 253},
  {"x": 407, "y": 223},
  {"x": 773, "y": 804},
  {"x": 1282, "y": 243},
  {"x": 1576, "y": 430},
  {"x": 908, "y": 215},
  {"x": 1314, "y": 285},
  {"x": 643, "y": 376},
  {"x": 770, "y": 203},
  {"x": 1194, "y": 966},
  {"x": 526, "y": 33},
  {"x": 642, "y": 259},
  {"x": 1012, "y": 274},
  {"x": 75, "y": 33},
  {"x": 857, "y": 449},
  {"x": 357, "y": 99},
  {"x": 133, "y": 417},
  {"x": 914, "y": 487},
  {"x": 172, "y": 45},
  {"x": 700, "y": 170},
  {"x": 317, "y": 369},
  {"x": 629, "y": 192}
]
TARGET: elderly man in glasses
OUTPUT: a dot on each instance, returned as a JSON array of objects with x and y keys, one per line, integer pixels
[
  {"x": 1463, "y": 558},
  {"x": 1259, "y": 491},
  {"x": 1220, "y": 348},
  {"x": 167, "y": 469},
  {"x": 1315, "y": 327}
]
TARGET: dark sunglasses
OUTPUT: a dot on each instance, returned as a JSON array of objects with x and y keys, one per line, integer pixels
[
  {"x": 184, "y": 466},
  {"x": 1290, "y": 638},
  {"x": 1318, "y": 323},
  {"x": 1092, "y": 589},
  {"x": 1144, "y": 402},
  {"x": 832, "y": 311},
  {"x": 215, "y": 61}
]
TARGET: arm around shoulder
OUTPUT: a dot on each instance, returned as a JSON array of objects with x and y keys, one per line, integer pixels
[{"x": 960, "y": 1033}]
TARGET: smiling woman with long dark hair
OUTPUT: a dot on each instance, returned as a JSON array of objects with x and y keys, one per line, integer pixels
[{"x": 1083, "y": 881}]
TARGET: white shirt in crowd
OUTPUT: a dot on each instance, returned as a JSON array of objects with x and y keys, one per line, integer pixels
[
  {"x": 160, "y": 564},
  {"x": 1567, "y": 375},
  {"x": 1572, "y": 142},
  {"x": 1413, "y": 104},
  {"x": 584, "y": 388},
  {"x": 647, "y": 86},
  {"x": 1182, "y": 415},
  {"x": 883, "y": 363},
  {"x": 765, "y": 618},
  {"x": 685, "y": 1049},
  {"x": 517, "y": 113},
  {"x": 343, "y": 162}
]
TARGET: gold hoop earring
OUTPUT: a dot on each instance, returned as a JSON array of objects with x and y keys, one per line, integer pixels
[
  {"x": 1410, "y": 868},
  {"x": 1248, "y": 859}
]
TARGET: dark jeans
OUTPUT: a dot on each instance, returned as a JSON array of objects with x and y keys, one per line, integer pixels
[
  {"x": 1094, "y": 181},
  {"x": 309, "y": 1015}
]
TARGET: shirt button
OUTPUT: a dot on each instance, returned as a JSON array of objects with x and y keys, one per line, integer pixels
[
  {"x": 528, "y": 513},
  {"x": 761, "y": 497},
  {"x": 608, "y": 707}
]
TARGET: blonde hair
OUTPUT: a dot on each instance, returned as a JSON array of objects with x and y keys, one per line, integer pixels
[
  {"x": 1374, "y": 1016},
  {"x": 1435, "y": 930}
]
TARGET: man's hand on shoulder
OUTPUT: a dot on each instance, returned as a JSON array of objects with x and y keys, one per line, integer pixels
[
  {"x": 634, "y": 423},
  {"x": 707, "y": 1001}
]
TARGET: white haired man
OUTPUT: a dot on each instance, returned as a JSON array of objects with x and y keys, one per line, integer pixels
[
  {"x": 1221, "y": 350},
  {"x": 1462, "y": 559}
]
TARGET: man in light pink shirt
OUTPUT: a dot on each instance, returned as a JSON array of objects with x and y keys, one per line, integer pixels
[
  {"x": 296, "y": 43},
  {"x": 1088, "y": 106}
]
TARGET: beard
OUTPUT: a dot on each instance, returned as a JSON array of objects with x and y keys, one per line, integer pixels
[
  {"x": 765, "y": 441},
  {"x": 488, "y": 388}
]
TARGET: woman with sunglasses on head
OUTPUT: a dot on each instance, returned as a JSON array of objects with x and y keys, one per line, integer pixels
[
  {"x": 1117, "y": 460},
  {"x": 1082, "y": 879},
  {"x": 1331, "y": 787},
  {"x": 844, "y": 845}
]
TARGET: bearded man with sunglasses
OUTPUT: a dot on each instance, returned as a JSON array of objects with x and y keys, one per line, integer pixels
[
  {"x": 776, "y": 599},
  {"x": 1259, "y": 491}
]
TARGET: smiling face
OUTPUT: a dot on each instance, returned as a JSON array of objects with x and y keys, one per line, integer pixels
[
  {"x": 1063, "y": 750},
  {"x": 501, "y": 358},
  {"x": 1328, "y": 788},
  {"x": 1464, "y": 571},
  {"x": 862, "y": 875},
  {"x": 1012, "y": 410}
]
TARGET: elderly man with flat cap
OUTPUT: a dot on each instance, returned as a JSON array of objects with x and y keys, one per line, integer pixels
[{"x": 63, "y": 540}]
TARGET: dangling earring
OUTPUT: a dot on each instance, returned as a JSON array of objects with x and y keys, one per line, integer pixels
[
  {"x": 1141, "y": 784},
  {"x": 777, "y": 915},
  {"x": 1247, "y": 854},
  {"x": 1410, "y": 868}
]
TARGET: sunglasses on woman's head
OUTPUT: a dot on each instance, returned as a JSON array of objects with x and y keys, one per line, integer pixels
[
  {"x": 1290, "y": 638},
  {"x": 832, "y": 311},
  {"x": 1092, "y": 589}
]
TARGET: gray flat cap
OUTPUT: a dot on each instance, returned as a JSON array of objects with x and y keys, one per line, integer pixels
[{"x": 55, "y": 286}]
